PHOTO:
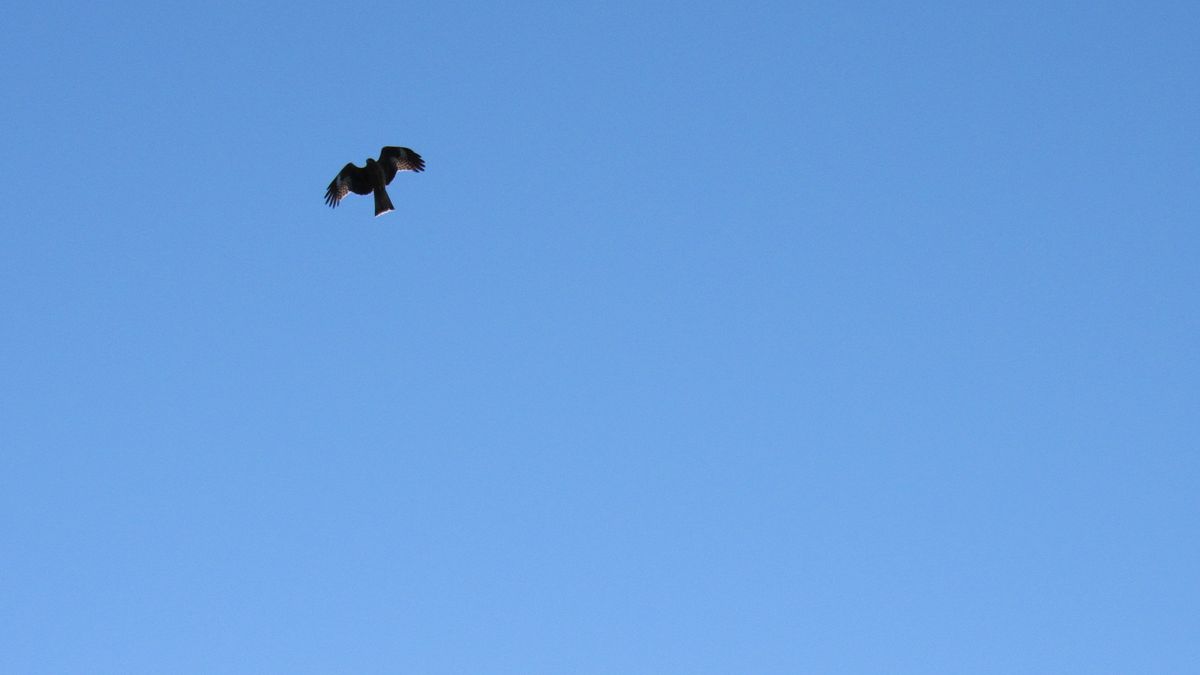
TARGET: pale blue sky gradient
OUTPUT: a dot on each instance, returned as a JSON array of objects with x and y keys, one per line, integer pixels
[{"x": 761, "y": 337}]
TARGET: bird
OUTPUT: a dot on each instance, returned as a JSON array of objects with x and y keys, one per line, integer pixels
[{"x": 374, "y": 177}]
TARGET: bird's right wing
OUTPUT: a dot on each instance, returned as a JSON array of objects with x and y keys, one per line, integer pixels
[
  {"x": 396, "y": 159},
  {"x": 350, "y": 179}
]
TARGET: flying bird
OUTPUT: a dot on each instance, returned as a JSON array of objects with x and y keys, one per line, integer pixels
[{"x": 374, "y": 177}]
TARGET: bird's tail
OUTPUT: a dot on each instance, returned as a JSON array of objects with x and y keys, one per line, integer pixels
[{"x": 383, "y": 203}]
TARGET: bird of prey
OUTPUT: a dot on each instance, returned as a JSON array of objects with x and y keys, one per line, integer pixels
[{"x": 374, "y": 177}]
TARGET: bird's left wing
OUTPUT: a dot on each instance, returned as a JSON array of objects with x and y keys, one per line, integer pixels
[
  {"x": 350, "y": 179},
  {"x": 396, "y": 159}
]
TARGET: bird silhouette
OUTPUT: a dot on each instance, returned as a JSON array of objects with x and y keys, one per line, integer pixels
[{"x": 374, "y": 177}]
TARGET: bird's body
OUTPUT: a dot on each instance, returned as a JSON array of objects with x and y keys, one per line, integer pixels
[
  {"x": 374, "y": 177},
  {"x": 383, "y": 203}
]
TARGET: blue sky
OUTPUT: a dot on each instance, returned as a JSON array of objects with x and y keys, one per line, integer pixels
[{"x": 759, "y": 337}]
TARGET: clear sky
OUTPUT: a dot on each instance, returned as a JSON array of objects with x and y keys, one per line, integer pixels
[{"x": 754, "y": 337}]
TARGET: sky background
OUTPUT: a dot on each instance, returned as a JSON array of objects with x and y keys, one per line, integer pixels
[{"x": 757, "y": 337}]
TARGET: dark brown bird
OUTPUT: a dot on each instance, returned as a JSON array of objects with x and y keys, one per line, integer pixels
[{"x": 374, "y": 177}]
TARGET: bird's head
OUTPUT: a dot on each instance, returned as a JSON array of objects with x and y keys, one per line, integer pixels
[{"x": 371, "y": 161}]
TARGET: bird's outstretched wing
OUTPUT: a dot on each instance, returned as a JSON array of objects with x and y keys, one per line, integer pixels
[
  {"x": 396, "y": 159},
  {"x": 350, "y": 179}
]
